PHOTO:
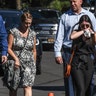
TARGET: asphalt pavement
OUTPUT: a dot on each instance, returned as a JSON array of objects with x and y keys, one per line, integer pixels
[{"x": 50, "y": 80}]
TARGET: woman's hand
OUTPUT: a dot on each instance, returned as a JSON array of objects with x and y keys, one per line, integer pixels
[
  {"x": 68, "y": 70},
  {"x": 92, "y": 32},
  {"x": 17, "y": 63}
]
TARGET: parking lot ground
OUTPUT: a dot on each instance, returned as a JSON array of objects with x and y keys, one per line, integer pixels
[{"x": 50, "y": 80}]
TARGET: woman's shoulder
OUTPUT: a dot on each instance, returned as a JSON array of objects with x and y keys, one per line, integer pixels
[
  {"x": 13, "y": 30},
  {"x": 32, "y": 32}
]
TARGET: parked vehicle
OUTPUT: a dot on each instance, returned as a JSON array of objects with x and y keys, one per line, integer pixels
[
  {"x": 12, "y": 19},
  {"x": 91, "y": 8},
  {"x": 45, "y": 22}
]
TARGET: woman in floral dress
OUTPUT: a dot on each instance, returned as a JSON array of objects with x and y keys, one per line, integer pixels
[{"x": 21, "y": 68}]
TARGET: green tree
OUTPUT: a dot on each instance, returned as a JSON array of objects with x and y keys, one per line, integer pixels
[
  {"x": 57, "y": 4},
  {"x": 11, "y": 4},
  {"x": 19, "y": 4}
]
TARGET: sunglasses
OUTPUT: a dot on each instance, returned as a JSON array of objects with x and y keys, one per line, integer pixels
[
  {"x": 27, "y": 22},
  {"x": 85, "y": 26}
]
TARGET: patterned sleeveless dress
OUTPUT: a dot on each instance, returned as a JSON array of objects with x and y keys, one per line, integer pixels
[{"x": 25, "y": 74}]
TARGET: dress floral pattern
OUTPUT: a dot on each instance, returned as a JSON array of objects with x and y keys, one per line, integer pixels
[{"x": 25, "y": 75}]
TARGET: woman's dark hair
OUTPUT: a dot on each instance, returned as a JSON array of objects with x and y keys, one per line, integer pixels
[
  {"x": 85, "y": 18},
  {"x": 81, "y": 20}
]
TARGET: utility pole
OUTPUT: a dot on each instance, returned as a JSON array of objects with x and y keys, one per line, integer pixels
[{"x": 18, "y": 4}]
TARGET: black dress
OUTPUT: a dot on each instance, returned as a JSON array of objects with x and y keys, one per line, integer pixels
[{"x": 83, "y": 65}]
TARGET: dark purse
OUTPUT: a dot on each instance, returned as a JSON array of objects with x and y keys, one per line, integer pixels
[
  {"x": 1, "y": 68},
  {"x": 1, "y": 71}
]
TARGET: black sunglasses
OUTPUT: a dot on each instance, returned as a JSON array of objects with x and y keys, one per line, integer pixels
[{"x": 85, "y": 25}]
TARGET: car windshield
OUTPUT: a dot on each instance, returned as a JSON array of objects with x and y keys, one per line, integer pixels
[
  {"x": 10, "y": 19},
  {"x": 43, "y": 14}
]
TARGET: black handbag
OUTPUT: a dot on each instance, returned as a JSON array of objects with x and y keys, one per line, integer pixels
[{"x": 1, "y": 68}]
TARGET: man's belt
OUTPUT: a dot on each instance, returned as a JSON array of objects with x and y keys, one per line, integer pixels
[{"x": 67, "y": 49}]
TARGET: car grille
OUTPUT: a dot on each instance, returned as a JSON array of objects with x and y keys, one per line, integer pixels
[{"x": 46, "y": 29}]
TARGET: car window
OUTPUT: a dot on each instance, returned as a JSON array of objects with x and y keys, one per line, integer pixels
[
  {"x": 44, "y": 14},
  {"x": 36, "y": 14}
]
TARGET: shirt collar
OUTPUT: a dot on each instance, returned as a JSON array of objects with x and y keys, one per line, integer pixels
[{"x": 73, "y": 13}]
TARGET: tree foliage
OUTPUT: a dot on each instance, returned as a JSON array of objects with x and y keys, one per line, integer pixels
[{"x": 19, "y": 4}]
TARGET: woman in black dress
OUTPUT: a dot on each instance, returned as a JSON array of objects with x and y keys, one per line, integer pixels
[{"x": 82, "y": 67}]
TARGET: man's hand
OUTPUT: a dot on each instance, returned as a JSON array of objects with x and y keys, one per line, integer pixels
[
  {"x": 68, "y": 70},
  {"x": 59, "y": 60},
  {"x": 4, "y": 59}
]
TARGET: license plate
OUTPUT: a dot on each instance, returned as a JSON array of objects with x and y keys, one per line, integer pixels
[{"x": 51, "y": 40}]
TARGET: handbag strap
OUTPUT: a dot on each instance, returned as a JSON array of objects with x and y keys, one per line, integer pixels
[
  {"x": 24, "y": 45},
  {"x": 72, "y": 54}
]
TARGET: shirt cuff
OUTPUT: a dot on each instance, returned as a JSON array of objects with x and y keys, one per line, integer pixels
[
  {"x": 4, "y": 53},
  {"x": 58, "y": 54}
]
